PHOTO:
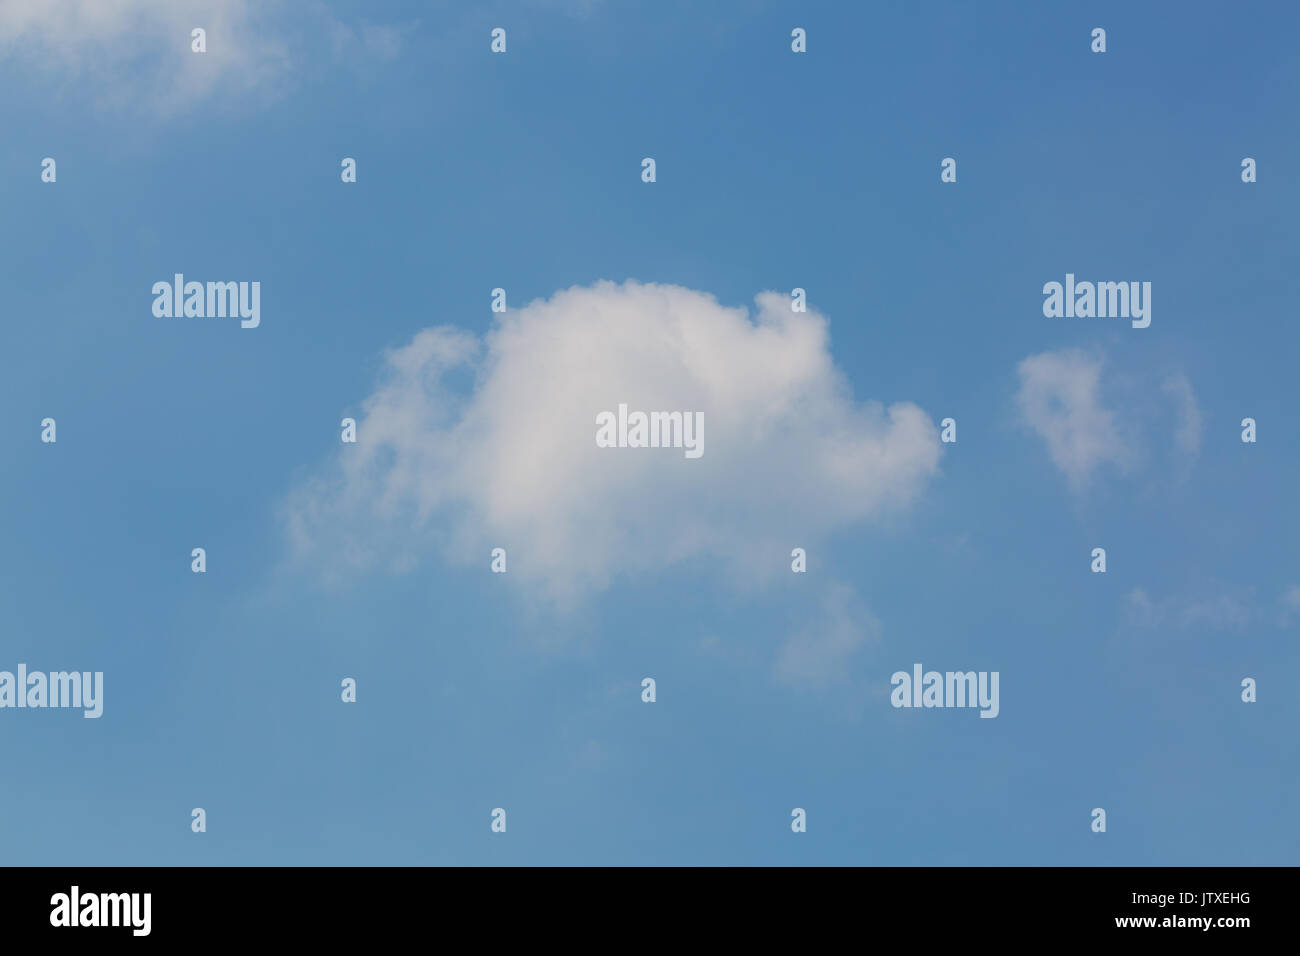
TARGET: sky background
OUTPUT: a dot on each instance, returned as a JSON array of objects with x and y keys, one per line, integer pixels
[{"x": 523, "y": 691}]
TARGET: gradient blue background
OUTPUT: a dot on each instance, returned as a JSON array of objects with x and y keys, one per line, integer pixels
[{"x": 774, "y": 171}]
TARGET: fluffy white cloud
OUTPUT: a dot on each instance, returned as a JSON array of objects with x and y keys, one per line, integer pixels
[
  {"x": 1060, "y": 399},
  {"x": 511, "y": 460}
]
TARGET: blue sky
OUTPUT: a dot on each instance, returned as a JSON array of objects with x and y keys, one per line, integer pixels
[{"x": 775, "y": 170}]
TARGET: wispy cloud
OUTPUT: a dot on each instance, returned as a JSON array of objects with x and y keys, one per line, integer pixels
[
  {"x": 1092, "y": 418},
  {"x": 1290, "y": 602},
  {"x": 137, "y": 53},
  {"x": 1060, "y": 399},
  {"x": 1222, "y": 610},
  {"x": 1188, "y": 432},
  {"x": 819, "y": 653}
]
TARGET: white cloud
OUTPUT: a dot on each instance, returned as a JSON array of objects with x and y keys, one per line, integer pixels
[
  {"x": 1089, "y": 420},
  {"x": 818, "y": 654},
  {"x": 1060, "y": 398},
  {"x": 512, "y": 462},
  {"x": 136, "y": 53},
  {"x": 576, "y": 8},
  {"x": 1226, "y": 610},
  {"x": 374, "y": 41},
  {"x": 1290, "y": 601},
  {"x": 1188, "y": 433}
]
